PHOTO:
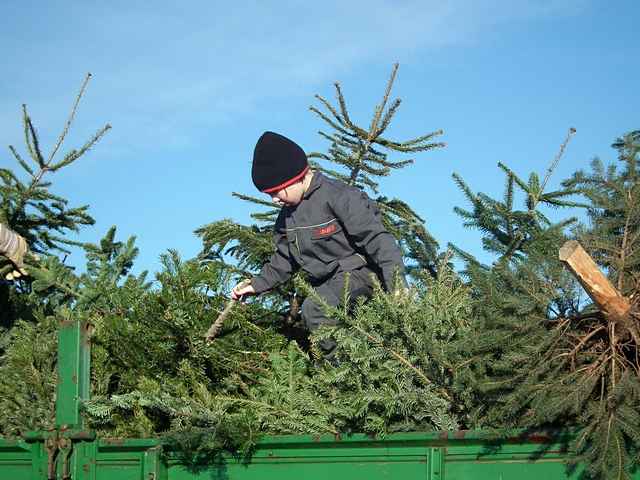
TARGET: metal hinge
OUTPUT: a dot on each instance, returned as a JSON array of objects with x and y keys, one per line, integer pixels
[
  {"x": 59, "y": 445},
  {"x": 51, "y": 445}
]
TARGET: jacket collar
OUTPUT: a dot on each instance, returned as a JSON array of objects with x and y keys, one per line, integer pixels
[{"x": 316, "y": 181}]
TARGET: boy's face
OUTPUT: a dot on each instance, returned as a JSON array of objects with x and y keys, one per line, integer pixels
[{"x": 290, "y": 196}]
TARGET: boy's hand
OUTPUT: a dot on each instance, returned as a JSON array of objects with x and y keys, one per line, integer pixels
[
  {"x": 242, "y": 289},
  {"x": 404, "y": 292}
]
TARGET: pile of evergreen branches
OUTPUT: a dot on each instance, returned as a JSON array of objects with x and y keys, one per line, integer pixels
[
  {"x": 541, "y": 353},
  {"x": 515, "y": 344}
]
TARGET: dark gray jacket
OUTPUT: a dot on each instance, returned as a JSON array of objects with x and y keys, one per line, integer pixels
[{"x": 334, "y": 227}]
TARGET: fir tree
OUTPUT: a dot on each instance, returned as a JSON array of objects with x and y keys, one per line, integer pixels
[
  {"x": 30, "y": 315},
  {"x": 363, "y": 154},
  {"x": 357, "y": 156},
  {"x": 29, "y": 208},
  {"x": 541, "y": 356},
  {"x": 505, "y": 231}
]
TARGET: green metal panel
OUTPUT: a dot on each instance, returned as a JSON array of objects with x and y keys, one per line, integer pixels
[
  {"x": 523, "y": 461},
  {"x": 74, "y": 356},
  {"x": 433, "y": 456},
  {"x": 83, "y": 461},
  {"x": 21, "y": 461},
  {"x": 406, "y": 456},
  {"x": 132, "y": 459},
  {"x": 411, "y": 456},
  {"x": 289, "y": 458}
]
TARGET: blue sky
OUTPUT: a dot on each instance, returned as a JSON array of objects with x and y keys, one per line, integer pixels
[{"x": 188, "y": 90}]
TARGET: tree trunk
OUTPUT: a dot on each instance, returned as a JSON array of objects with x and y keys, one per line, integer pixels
[{"x": 613, "y": 305}]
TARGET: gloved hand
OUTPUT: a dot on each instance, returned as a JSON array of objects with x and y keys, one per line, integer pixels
[{"x": 13, "y": 247}]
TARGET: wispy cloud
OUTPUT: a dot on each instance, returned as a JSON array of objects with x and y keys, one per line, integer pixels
[{"x": 168, "y": 72}]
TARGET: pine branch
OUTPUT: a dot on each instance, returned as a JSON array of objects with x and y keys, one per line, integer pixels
[
  {"x": 70, "y": 119},
  {"x": 557, "y": 158}
]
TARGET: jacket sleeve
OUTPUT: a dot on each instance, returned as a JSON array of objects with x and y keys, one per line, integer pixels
[
  {"x": 361, "y": 218},
  {"x": 279, "y": 267}
]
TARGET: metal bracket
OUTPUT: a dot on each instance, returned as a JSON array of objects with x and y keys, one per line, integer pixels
[
  {"x": 153, "y": 466},
  {"x": 59, "y": 444},
  {"x": 65, "y": 445},
  {"x": 436, "y": 470},
  {"x": 51, "y": 445}
]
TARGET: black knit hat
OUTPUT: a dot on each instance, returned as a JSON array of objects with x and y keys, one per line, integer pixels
[{"x": 277, "y": 163}]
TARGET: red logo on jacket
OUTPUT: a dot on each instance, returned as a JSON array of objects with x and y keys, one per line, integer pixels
[{"x": 325, "y": 231}]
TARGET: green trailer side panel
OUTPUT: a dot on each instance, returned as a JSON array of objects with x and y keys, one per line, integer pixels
[
  {"x": 521, "y": 461},
  {"x": 134, "y": 459},
  {"x": 404, "y": 457},
  {"x": 354, "y": 469},
  {"x": 21, "y": 461},
  {"x": 312, "y": 461},
  {"x": 120, "y": 463}
]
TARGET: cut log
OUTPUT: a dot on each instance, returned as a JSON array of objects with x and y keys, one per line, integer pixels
[{"x": 612, "y": 304}]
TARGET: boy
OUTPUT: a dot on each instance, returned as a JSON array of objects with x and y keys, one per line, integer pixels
[{"x": 325, "y": 227}]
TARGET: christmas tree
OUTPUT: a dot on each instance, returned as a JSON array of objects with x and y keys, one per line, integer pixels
[
  {"x": 358, "y": 156},
  {"x": 40, "y": 219},
  {"x": 541, "y": 355}
]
